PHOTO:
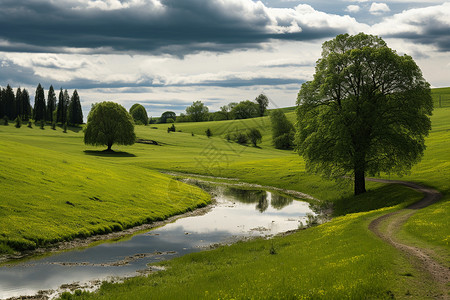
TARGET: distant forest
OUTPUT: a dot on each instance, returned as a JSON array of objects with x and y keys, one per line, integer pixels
[{"x": 64, "y": 110}]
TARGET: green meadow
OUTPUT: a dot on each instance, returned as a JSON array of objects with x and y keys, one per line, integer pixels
[{"x": 55, "y": 188}]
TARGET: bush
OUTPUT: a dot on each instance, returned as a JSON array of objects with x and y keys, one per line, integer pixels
[
  {"x": 241, "y": 138},
  {"x": 30, "y": 125},
  {"x": 171, "y": 128},
  {"x": 208, "y": 133},
  {"x": 18, "y": 122}
]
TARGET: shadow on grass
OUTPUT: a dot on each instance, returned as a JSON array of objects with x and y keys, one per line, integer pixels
[
  {"x": 384, "y": 196},
  {"x": 110, "y": 153}
]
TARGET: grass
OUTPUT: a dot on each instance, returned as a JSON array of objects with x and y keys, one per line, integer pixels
[
  {"x": 51, "y": 193},
  {"x": 340, "y": 259}
]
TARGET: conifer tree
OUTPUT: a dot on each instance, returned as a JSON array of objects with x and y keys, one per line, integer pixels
[
  {"x": 2, "y": 105},
  {"x": 39, "y": 104},
  {"x": 18, "y": 103},
  {"x": 9, "y": 99},
  {"x": 66, "y": 103},
  {"x": 75, "y": 114},
  {"x": 59, "y": 109},
  {"x": 51, "y": 103},
  {"x": 26, "y": 107}
]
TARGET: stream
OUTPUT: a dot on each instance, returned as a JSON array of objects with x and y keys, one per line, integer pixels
[{"x": 237, "y": 214}]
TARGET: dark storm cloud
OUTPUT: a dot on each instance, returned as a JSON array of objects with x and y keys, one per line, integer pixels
[{"x": 177, "y": 27}]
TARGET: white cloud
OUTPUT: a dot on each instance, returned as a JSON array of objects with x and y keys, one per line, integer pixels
[
  {"x": 353, "y": 8},
  {"x": 417, "y": 22},
  {"x": 379, "y": 8}
]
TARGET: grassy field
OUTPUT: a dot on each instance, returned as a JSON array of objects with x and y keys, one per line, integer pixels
[
  {"x": 53, "y": 189},
  {"x": 340, "y": 259}
]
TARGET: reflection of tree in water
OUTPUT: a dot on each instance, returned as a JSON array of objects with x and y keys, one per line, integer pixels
[
  {"x": 263, "y": 203},
  {"x": 248, "y": 196},
  {"x": 278, "y": 201}
]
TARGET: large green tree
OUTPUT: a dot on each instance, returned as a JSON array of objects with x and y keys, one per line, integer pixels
[
  {"x": 39, "y": 104},
  {"x": 74, "y": 111},
  {"x": 139, "y": 114},
  {"x": 366, "y": 111},
  {"x": 109, "y": 123},
  {"x": 197, "y": 112}
]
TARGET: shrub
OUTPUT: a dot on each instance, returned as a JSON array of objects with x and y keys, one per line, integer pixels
[
  {"x": 18, "y": 122},
  {"x": 171, "y": 128},
  {"x": 208, "y": 133}
]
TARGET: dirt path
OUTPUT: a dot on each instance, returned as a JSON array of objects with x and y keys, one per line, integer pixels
[{"x": 395, "y": 220}]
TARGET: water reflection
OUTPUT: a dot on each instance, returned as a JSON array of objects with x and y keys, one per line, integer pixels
[{"x": 238, "y": 213}]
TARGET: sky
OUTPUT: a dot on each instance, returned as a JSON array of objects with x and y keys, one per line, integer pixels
[{"x": 165, "y": 54}]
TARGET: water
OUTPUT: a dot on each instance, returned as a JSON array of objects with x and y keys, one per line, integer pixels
[{"x": 237, "y": 214}]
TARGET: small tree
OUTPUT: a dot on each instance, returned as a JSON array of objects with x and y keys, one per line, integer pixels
[
  {"x": 109, "y": 123},
  {"x": 208, "y": 133},
  {"x": 263, "y": 102},
  {"x": 167, "y": 115},
  {"x": 254, "y": 136},
  {"x": 171, "y": 128},
  {"x": 18, "y": 122},
  {"x": 197, "y": 112},
  {"x": 139, "y": 114},
  {"x": 42, "y": 124},
  {"x": 282, "y": 130},
  {"x": 30, "y": 125}
]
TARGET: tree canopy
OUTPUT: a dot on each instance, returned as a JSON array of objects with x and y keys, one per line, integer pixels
[
  {"x": 139, "y": 114},
  {"x": 366, "y": 111},
  {"x": 245, "y": 110},
  {"x": 167, "y": 115},
  {"x": 263, "y": 102},
  {"x": 197, "y": 112},
  {"x": 51, "y": 103},
  {"x": 282, "y": 130},
  {"x": 109, "y": 123}
]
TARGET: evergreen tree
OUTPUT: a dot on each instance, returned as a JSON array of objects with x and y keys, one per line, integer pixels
[
  {"x": 59, "y": 109},
  {"x": 66, "y": 103},
  {"x": 2, "y": 106},
  {"x": 18, "y": 103},
  {"x": 26, "y": 107},
  {"x": 51, "y": 103},
  {"x": 39, "y": 104},
  {"x": 9, "y": 99},
  {"x": 75, "y": 114}
]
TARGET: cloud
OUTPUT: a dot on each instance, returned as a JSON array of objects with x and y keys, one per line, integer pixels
[
  {"x": 427, "y": 26},
  {"x": 158, "y": 27},
  {"x": 353, "y": 8},
  {"x": 379, "y": 8}
]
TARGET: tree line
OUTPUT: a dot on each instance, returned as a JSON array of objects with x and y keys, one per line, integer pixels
[
  {"x": 199, "y": 112},
  {"x": 64, "y": 109}
]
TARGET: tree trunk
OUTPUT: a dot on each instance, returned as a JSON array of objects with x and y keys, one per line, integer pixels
[
  {"x": 360, "y": 182},
  {"x": 109, "y": 146}
]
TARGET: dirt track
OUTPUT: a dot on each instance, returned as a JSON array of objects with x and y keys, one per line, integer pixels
[{"x": 395, "y": 220}]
